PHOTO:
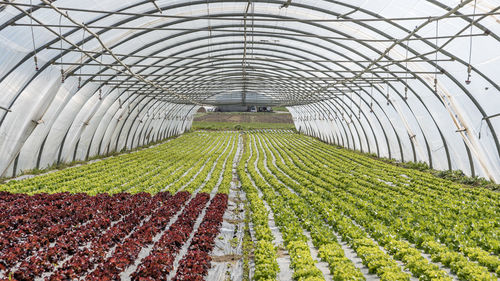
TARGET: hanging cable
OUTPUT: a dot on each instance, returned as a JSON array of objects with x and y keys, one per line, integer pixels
[
  {"x": 61, "y": 53},
  {"x": 209, "y": 47},
  {"x": 469, "y": 67},
  {"x": 100, "y": 76},
  {"x": 387, "y": 98},
  {"x": 33, "y": 35},
  {"x": 81, "y": 61},
  {"x": 371, "y": 96},
  {"x": 480, "y": 128},
  {"x": 436, "y": 58},
  {"x": 406, "y": 68},
  {"x": 359, "y": 106},
  {"x": 387, "y": 85}
]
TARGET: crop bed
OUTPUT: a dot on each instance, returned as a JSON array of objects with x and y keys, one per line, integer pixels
[
  {"x": 166, "y": 167},
  {"x": 402, "y": 224},
  {"x": 271, "y": 205},
  {"x": 125, "y": 217},
  {"x": 66, "y": 236}
]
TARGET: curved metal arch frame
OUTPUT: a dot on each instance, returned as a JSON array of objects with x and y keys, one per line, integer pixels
[
  {"x": 233, "y": 42},
  {"x": 297, "y": 69},
  {"x": 270, "y": 55},
  {"x": 493, "y": 131},
  {"x": 429, "y": 150},
  {"x": 441, "y": 135}
]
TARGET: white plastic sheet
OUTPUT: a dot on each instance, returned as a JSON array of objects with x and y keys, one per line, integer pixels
[{"x": 200, "y": 60}]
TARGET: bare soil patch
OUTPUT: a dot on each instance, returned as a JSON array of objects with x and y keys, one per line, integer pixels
[
  {"x": 244, "y": 117},
  {"x": 226, "y": 258}
]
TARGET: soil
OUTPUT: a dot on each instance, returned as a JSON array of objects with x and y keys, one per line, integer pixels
[
  {"x": 233, "y": 221},
  {"x": 282, "y": 253},
  {"x": 236, "y": 200},
  {"x": 244, "y": 117},
  {"x": 226, "y": 258}
]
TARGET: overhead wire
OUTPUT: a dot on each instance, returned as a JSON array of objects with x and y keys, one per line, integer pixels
[
  {"x": 33, "y": 37},
  {"x": 436, "y": 59},
  {"x": 81, "y": 60},
  {"x": 469, "y": 67},
  {"x": 61, "y": 53}
]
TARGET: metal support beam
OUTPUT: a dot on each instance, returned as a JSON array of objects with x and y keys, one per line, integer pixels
[
  {"x": 256, "y": 33},
  {"x": 156, "y": 6},
  {"x": 6, "y": 109},
  {"x": 410, "y": 35},
  {"x": 82, "y": 26},
  {"x": 259, "y": 68},
  {"x": 256, "y": 58},
  {"x": 393, "y": 19},
  {"x": 491, "y": 116}
]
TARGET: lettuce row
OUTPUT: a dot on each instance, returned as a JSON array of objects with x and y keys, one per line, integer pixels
[
  {"x": 325, "y": 182},
  {"x": 340, "y": 267},
  {"x": 265, "y": 253}
]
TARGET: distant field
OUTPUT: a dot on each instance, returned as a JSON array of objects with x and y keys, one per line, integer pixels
[
  {"x": 242, "y": 121},
  {"x": 280, "y": 109},
  {"x": 200, "y": 125},
  {"x": 244, "y": 117}
]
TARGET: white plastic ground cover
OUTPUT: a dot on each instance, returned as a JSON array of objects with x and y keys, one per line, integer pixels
[
  {"x": 228, "y": 254},
  {"x": 227, "y": 260},
  {"x": 321, "y": 265},
  {"x": 283, "y": 260}
]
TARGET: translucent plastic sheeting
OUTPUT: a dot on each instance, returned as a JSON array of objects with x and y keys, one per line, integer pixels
[{"x": 410, "y": 80}]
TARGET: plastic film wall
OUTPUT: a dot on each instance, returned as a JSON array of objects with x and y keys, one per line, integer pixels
[
  {"x": 409, "y": 80},
  {"x": 52, "y": 122}
]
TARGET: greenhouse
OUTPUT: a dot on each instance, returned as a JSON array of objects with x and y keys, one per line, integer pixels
[{"x": 250, "y": 140}]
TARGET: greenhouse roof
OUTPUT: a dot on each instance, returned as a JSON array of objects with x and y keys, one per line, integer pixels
[{"x": 413, "y": 80}]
